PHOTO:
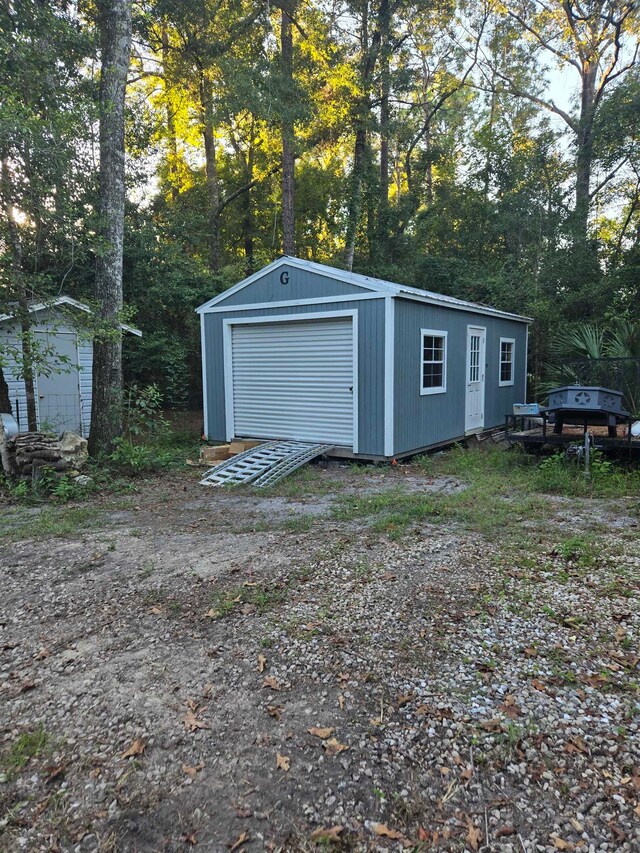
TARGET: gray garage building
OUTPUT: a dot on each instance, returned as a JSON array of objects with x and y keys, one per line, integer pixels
[{"x": 304, "y": 351}]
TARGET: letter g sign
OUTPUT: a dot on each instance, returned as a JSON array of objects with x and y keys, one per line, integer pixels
[{"x": 284, "y": 277}]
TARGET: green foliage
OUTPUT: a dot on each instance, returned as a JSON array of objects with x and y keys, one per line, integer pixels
[
  {"x": 142, "y": 412},
  {"x": 581, "y": 550},
  {"x": 558, "y": 474},
  {"x": 135, "y": 459},
  {"x": 27, "y": 746},
  {"x": 478, "y": 199}
]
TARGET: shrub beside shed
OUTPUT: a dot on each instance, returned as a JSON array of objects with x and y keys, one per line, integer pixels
[{"x": 304, "y": 351}]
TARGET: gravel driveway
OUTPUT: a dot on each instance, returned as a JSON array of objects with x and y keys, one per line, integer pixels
[{"x": 202, "y": 669}]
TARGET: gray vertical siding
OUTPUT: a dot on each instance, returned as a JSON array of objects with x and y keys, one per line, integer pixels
[
  {"x": 302, "y": 284},
  {"x": 420, "y": 420},
  {"x": 53, "y": 323},
  {"x": 370, "y": 362}
]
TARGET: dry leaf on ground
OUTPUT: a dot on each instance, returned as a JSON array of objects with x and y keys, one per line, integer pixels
[
  {"x": 192, "y": 723},
  {"x": 275, "y": 711},
  {"x": 510, "y": 707},
  {"x": 55, "y": 772},
  {"x": 262, "y": 662},
  {"x": 240, "y": 840},
  {"x": 474, "y": 836},
  {"x": 491, "y": 725},
  {"x": 323, "y": 733},
  {"x": 333, "y": 747},
  {"x": 272, "y": 682},
  {"x": 330, "y": 834},
  {"x": 283, "y": 762},
  {"x": 192, "y": 770},
  {"x": 136, "y": 748},
  {"x": 383, "y": 830}
]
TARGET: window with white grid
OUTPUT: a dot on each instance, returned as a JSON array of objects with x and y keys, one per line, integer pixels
[
  {"x": 507, "y": 352},
  {"x": 434, "y": 362}
]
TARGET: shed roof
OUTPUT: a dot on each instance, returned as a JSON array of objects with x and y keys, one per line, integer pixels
[
  {"x": 34, "y": 307},
  {"x": 373, "y": 284}
]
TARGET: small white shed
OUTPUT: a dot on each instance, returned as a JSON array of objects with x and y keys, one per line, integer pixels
[{"x": 63, "y": 398}]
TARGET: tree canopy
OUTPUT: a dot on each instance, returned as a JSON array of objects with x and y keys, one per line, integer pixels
[{"x": 479, "y": 149}]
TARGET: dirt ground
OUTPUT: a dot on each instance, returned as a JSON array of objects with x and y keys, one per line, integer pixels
[{"x": 195, "y": 668}]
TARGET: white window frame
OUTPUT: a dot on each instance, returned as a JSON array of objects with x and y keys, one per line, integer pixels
[
  {"x": 512, "y": 341},
  {"x": 435, "y": 333}
]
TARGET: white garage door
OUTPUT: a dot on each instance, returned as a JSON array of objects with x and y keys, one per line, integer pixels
[{"x": 294, "y": 380}]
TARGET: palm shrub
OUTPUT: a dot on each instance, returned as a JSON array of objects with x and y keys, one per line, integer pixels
[{"x": 590, "y": 354}]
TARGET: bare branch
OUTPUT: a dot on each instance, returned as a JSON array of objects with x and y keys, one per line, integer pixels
[
  {"x": 608, "y": 177},
  {"x": 545, "y": 42}
]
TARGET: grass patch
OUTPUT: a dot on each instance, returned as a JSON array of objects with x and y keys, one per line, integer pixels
[
  {"x": 492, "y": 500},
  {"x": 520, "y": 471},
  {"x": 262, "y": 596},
  {"x": 308, "y": 480},
  {"x": 582, "y": 550},
  {"x": 50, "y": 521},
  {"x": 29, "y": 745},
  {"x": 298, "y": 523},
  {"x": 393, "y": 510}
]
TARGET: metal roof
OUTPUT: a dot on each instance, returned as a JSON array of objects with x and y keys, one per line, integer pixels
[
  {"x": 365, "y": 281},
  {"x": 34, "y": 307}
]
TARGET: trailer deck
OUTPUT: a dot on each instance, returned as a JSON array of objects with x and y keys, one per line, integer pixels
[{"x": 541, "y": 436}]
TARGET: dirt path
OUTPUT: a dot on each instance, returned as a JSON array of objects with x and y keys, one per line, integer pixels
[{"x": 276, "y": 670}]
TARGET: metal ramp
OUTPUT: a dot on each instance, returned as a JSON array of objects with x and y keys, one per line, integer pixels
[{"x": 264, "y": 465}]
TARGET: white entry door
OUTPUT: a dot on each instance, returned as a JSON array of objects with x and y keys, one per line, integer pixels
[
  {"x": 474, "y": 405},
  {"x": 294, "y": 380}
]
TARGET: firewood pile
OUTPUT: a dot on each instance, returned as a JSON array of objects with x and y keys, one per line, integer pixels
[{"x": 28, "y": 452}]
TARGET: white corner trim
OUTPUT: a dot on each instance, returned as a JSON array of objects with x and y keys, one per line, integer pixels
[
  {"x": 356, "y": 395},
  {"x": 389, "y": 371},
  {"x": 439, "y": 333},
  {"x": 203, "y": 356},
  {"x": 526, "y": 364},
  {"x": 228, "y": 379},
  {"x": 227, "y": 330},
  {"x": 511, "y": 381}
]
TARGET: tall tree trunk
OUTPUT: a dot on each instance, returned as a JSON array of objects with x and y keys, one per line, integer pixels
[
  {"x": 355, "y": 196},
  {"x": 172, "y": 145},
  {"x": 288, "y": 135},
  {"x": 247, "y": 218},
  {"x": 211, "y": 171},
  {"x": 429, "y": 169},
  {"x": 584, "y": 154},
  {"x": 19, "y": 293},
  {"x": 114, "y": 19},
  {"x": 384, "y": 25}
]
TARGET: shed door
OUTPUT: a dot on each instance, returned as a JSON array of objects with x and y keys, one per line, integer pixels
[
  {"x": 59, "y": 393},
  {"x": 474, "y": 402},
  {"x": 294, "y": 380}
]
